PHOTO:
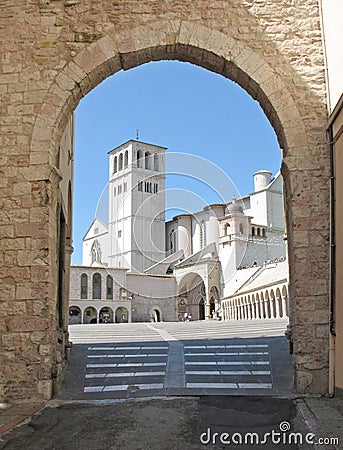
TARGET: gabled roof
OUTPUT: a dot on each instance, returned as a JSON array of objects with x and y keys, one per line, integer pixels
[
  {"x": 207, "y": 253},
  {"x": 95, "y": 221}
]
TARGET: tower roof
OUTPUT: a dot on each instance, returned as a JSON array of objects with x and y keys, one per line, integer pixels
[
  {"x": 234, "y": 207},
  {"x": 135, "y": 141}
]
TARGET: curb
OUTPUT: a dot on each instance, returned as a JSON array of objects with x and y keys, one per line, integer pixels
[
  {"x": 19, "y": 419},
  {"x": 312, "y": 422}
]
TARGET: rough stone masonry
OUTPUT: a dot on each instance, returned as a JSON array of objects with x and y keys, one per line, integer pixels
[{"x": 53, "y": 52}]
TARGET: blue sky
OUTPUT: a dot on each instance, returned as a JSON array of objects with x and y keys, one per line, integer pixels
[{"x": 176, "y": 105}]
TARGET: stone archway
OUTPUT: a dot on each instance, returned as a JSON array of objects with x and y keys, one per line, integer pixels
[
  {"x": 122, "y": 315},
  {"x": 192, "y": 297},
  {"x": 106, "y": 315},
  {"x": 42, "y": 90},
  {"x": 75, "y": 315},
  {"x": 90, "y": 315}
]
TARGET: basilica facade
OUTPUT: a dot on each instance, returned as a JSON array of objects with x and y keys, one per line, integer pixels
[{"x": 140, "y": 267}]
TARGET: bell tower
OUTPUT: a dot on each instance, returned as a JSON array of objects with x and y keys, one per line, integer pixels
[{"x": 136, "y": 205}]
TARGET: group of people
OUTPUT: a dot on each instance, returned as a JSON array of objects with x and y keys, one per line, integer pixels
[
  {"x": 268, "y": 261},
  {"x": 187, "y": 317}
]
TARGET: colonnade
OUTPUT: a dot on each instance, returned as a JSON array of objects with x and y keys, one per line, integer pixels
[
  {"x": 265, "y": 303},
  {"x": 91, "y": 314}
]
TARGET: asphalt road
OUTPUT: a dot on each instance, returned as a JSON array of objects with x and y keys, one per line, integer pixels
[{"x": 186, "y": 423}]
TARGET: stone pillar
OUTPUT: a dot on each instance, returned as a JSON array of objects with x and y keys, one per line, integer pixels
[
  {"x": 277, "y": 307},
  {"x": 284, "y": 306}
]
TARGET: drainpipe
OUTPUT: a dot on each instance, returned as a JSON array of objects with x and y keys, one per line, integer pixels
[{"x": 332, "y": 290}]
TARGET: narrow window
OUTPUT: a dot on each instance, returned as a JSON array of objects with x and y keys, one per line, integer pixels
[
  {"x": 115, "y": 163},
  {"x": 126, "y": 159},
  {"x": 203, "y": 237},
  {"x": 84, "y": 286},
  {"x": 139, "y": 156},
  {"x": 97, "y": 286},
  {"x": 109, "y": 288},
  {"x": 156, "y": 164},
  {"x": 147, "y": 160},
  {"x": 120, "y": 165}
]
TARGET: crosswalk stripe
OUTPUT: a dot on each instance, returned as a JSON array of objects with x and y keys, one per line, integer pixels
[
  {"x": 227, "y": 346},
  {"x": 228, "y": 372},
  {"x": 144, "y": 355},
  {"x": 226, "y": 363},
  {"x": 123, "y": 387},
  {"x": 124, "y": 374},
  {"x": 230, "y": 385},
  {"x": 227, "y": 353}
]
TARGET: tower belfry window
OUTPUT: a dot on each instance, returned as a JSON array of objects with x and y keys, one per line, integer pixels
[
  {"x": 139, "y": 156},
  {"x": 156, "y": 164},
  {"x": 147, "y": 160},
  {"x": 126, "y": 159}
]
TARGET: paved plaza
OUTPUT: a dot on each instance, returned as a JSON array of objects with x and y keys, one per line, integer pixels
[{"x": 116, "y": 361}]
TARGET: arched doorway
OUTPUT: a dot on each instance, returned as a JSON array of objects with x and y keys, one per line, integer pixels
[
  {"x": 214, "y": 302},
  {"x": 75, "y": 315},
  {"x": 122, "y": 315},
  {"x": 212, "y": 308},
  {"x": 182, "y": 309},
  {"x": 106, "y": 315},
  {"x": 90, "y": 315},
  {"x": 155, "y": 314},
  {"x": 191, "y": 289},
  {"x": 201, "y": 309}
]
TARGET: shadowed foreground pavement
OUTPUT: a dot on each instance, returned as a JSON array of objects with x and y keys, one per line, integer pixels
[{"x": 161, "y": 424}]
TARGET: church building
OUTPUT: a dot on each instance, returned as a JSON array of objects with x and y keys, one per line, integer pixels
[{"x": 152, "y": 269}]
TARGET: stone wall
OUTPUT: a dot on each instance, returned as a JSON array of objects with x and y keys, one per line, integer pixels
[
  {"x": 53, "y": 52},
  {"x": 151, "y": 292}
]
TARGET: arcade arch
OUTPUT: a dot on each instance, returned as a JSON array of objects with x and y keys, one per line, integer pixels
[{"x": 192, "y": 297}]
